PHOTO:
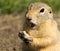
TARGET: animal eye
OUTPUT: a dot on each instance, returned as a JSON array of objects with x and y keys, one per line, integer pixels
[{"x": 42, "y": 10}]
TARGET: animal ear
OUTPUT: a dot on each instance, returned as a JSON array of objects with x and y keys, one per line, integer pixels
[
  {"x": 50, "y": 12},
  {"x": 30, "y": 6}
]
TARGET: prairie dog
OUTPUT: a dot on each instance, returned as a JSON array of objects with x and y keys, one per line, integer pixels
[{"x": 42, "y": 34}]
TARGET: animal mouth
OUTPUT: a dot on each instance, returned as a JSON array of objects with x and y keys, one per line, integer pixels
[{"x": 32, "y": 25}]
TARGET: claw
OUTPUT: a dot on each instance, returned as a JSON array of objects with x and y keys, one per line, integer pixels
[
  {"x": 25, "y": 37},
  {"x": 21, "y": 35}
]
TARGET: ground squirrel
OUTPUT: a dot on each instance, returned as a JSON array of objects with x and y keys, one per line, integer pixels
[{"x": 42, "y": 34}]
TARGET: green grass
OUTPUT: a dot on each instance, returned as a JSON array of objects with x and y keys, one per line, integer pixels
[{"x": 11, "y": 6}]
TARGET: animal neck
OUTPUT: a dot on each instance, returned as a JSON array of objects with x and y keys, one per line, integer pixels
[{"x": 46, "y": 23}]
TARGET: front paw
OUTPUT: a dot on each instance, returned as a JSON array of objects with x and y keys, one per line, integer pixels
[
  {"x": 25, "y": 37},
  {"x": 21, "y": 35}
]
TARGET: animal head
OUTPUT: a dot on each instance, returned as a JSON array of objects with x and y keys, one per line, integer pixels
[{"x": 38, "y": 12}]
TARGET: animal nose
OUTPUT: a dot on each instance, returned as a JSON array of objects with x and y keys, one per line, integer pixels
[{"x": 28, "y": 19}]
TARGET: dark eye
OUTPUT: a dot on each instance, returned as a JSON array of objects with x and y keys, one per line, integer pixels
[{"x": 42, "y": 10}]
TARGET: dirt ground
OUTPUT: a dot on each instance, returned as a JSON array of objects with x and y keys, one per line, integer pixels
[{"x": 10, "y": 25}]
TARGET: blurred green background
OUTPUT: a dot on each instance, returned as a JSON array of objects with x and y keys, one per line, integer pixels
[{"x": 11, "y": 6}]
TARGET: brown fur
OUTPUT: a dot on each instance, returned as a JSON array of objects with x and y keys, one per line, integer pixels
[{"x": 45, "y": 36}]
